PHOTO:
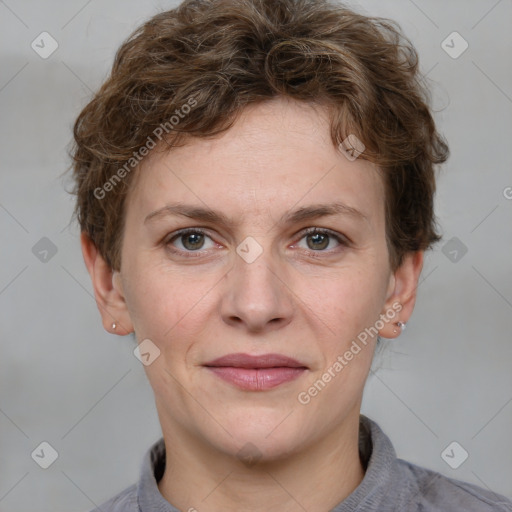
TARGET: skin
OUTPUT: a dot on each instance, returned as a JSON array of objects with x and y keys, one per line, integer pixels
[{"x": 295, "y": 299}]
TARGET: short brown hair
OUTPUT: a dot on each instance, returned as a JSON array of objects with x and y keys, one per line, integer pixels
[{"x": 222, "y": 55}]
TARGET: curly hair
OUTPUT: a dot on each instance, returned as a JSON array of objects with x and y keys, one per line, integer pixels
[{"x": 190, "y": 71}]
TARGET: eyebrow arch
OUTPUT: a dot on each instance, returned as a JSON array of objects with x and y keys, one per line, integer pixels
[{"x": 310, "y": 212}]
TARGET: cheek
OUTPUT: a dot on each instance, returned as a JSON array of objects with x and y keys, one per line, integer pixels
[
  {"x": 343, "y": 308},
  {"x": 171, "y": 309},
  {"x": 346, "y": 301},
  {"x": 174, "y": 310},
  {"x": 162, "y": 300}
]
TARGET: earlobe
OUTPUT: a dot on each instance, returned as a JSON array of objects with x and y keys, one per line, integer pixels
[
  {"x": 402, "y": 291},
  {"x": 108, "y": 294}
]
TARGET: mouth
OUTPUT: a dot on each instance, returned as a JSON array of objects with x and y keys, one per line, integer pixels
[{"x": 256, "y": 373}]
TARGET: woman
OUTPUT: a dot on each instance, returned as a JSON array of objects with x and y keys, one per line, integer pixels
[{"x": 255, "y": 187}]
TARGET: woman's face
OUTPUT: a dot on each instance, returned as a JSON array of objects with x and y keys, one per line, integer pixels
[{"x": 253, "y": 282}]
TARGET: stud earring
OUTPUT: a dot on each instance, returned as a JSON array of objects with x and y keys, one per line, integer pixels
[
  {"x": 401, "y": 325},
  {"x": 114, "y": 325}
]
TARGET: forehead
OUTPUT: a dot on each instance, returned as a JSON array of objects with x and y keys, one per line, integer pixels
[{"x": 276, "y": 156}]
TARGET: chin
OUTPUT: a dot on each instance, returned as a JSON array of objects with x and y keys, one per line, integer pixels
[{"x": 262, "y": 437}]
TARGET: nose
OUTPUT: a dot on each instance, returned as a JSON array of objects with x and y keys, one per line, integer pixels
[{"x": 257, "y": 296}]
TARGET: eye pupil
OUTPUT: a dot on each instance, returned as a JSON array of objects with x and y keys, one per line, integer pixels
[
  {"x": 319, "y": 237},
  {"x": 196, "y": 244}
]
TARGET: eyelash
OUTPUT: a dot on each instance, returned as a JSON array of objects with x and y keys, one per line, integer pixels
[{"x": 308, "y": 231}]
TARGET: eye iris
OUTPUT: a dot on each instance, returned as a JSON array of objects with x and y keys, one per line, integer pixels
[
  {"x": 322, "y": 237},
  {"x": 197, "y": 240}
]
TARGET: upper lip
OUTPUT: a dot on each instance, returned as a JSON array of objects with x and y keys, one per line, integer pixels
[{"x": 260, "y": 361}]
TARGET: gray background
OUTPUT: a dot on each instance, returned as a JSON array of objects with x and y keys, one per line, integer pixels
[{"x": 65, "y": 381}]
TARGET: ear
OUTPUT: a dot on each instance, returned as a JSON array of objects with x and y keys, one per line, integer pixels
[
  {"x": 107, "y": 290},
  {"x": 401, "y": 290}
]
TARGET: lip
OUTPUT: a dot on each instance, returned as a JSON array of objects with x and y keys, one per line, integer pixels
[
  {"x": 240, "y": 360},
  {"x": 256, "y": 373}
]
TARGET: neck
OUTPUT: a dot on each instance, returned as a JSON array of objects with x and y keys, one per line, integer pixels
[{"x": 315, "y": 479}]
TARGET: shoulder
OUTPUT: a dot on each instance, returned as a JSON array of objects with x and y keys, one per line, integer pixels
[
  {"x": 429, "y": 491},
  {"x": 125, "y": 501}
]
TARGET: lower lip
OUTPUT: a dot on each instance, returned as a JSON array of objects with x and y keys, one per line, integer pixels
[{"x": 257, "y": 379}]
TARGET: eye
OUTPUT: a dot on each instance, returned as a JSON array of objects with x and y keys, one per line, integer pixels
[
  {"x": 191, "y": 240},
  {"x": 319, "y": 239}
]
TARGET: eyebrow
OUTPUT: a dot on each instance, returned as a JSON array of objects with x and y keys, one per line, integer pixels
[{"x": 310, "y": 212}]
